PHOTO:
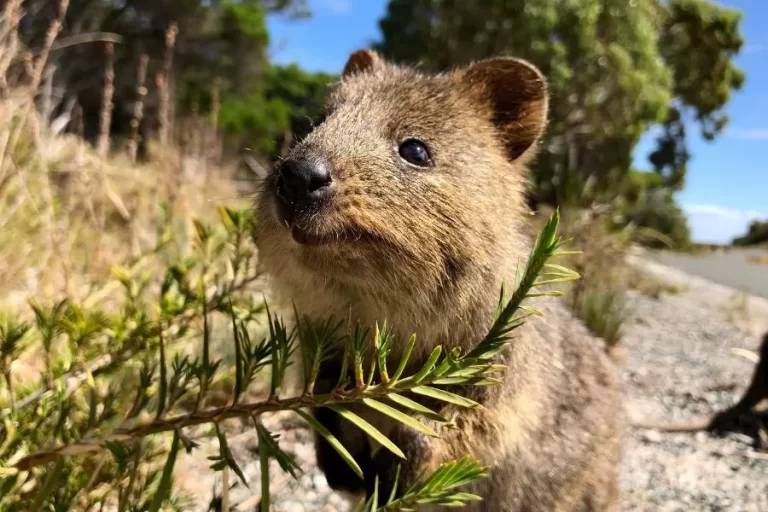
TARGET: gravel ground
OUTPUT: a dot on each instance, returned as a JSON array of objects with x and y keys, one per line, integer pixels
[
  {"x": 677, "y": 363},
  {"x": 308, "y": 493}
]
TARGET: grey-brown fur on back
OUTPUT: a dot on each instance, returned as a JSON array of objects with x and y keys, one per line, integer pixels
[{"x": 428, "y": 249}]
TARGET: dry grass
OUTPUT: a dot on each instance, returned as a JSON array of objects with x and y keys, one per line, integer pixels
[
  {"x": 757, "y": 259},
  {"x": 69, "y": 214},
  {"x": 599, "y": 298},
  {"x": 604, "y": 310},
  {"x": 737, "y": 310},
  {"x": 646, "y": 283}
]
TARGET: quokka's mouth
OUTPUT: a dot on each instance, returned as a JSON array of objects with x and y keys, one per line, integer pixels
[
  {"x": 311, "y": 237},
  {"x": 305, "y": 237},
  {"x": 308, "y": 228}
]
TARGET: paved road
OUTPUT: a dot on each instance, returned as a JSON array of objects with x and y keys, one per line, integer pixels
[{"x": 729, "y": 268}]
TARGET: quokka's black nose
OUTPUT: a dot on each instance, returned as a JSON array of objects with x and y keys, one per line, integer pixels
[{"x": 304, "y": 183}]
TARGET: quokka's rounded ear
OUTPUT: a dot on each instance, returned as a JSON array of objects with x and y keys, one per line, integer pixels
[
  {"x": 516, "y": 92},
  {"x": 362, "y": 61}
]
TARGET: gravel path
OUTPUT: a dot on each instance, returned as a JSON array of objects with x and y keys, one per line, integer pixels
[{"x": 677, "y": 363}]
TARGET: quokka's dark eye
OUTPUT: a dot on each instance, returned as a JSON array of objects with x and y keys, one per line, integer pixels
[{"x": 415, "y": 153}]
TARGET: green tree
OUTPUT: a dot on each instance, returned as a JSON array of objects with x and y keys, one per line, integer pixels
[
  {"x": 282, "y": 106},
  {"x": 698, "y": 42},
  {"x": 756, "y": 234},
  {"x": 303, "y": 92},
  {"x": 220, "y": 42},
  {"x": 615, "y": 69},
  {"x": 656, "y": 210}
]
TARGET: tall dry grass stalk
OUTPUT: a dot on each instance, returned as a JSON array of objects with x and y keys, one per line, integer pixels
[
  {"x": 46, "y": 106},
  {"x": 29, "y": 126},
  {"x": 50, "y": 37},
  {"x": 8, "y": 40},
  {"x": 8, "y": 47},
  {"x": 213, "y": 142},
  {"x": 37, "y": 74},
  {"x": 63, "y": 221},
  {"x": 163, "y": 82},
  {"x": 138, "y": 108},
  {"x": 215, "y": 103},
  {"x": 105, "y": 118}
]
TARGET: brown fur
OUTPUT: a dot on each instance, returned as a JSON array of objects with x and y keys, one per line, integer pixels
[
  {"x": 756, "y": 392},
  {"x": 427, "y": 249}
]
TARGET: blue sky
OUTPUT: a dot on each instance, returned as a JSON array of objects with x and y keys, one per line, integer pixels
[{"x": 727, "y": 181}]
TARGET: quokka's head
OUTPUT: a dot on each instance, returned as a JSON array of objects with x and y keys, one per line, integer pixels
[{"x": 411, "y": 181}]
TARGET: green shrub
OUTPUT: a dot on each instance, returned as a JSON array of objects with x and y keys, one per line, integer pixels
[
  {"x": 598, "y": 297},
  {"x": 657, "y": 220},
  {"x": 756, "y": 234},
  {"x": 107, "y": 426},
  {"x": 604, "y": 312}
]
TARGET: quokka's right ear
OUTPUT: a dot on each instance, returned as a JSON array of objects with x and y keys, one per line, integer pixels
[
  {"x": 516, "y": 93},
  {"x": 363, "y": 61}
]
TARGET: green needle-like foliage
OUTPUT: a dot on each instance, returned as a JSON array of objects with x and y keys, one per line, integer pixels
[
  {"x": 318, "y": 344},
  {"x": 12, "y": 333},
  {"x": 439, "y": 488},
  {"x": 150, "y": 387}
]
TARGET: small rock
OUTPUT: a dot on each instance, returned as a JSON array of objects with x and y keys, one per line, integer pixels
[
  {"x": 320, "y": 483},
  {"x": 652, "y": 436},
  {"x": 292, "y": 506},
  {"x": 740, "y": 438}
]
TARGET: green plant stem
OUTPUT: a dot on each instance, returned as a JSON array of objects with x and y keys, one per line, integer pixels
[
  {"x": 123, "y": 501},
  {"x": 49, "y": 486},
  {"x": 225, "y": 490},
  {"x": 9, "y": 385},
  {"x": 217, "y": 415},
  {"x": 105, "y": 363},
  {"x": 48, "y": 368},
  {"x": 264, "y": 464}
]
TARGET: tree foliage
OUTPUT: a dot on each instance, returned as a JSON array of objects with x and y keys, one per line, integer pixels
[
  {"x": 220, "y": 44},
  {"x": 657, "y": 212},
  {"x": 698, "y": 42},
  {"x": 756, "y": 234},
  {"x": 280, "y": 108},
  {"x": 615, "y": 69}
]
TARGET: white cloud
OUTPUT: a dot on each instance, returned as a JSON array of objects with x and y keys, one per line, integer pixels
[
  {"x": 709, "y": 209},
  {"x": 748, "y": 134},
  {"x": 715, "y": 224},
  {"x": 338, "y": 7}
]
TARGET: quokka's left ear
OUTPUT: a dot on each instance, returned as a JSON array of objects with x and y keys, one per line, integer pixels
[
  {"x": 362, "y": 61},
  {"x": 516, "y": 93}
]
